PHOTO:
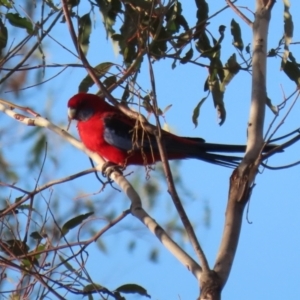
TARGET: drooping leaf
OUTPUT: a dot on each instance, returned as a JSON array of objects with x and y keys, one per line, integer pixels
[
  {"x": 218, "y": 96},
  {"x": 247, "y": 49},
  {"x": 175, "y": 19},
  {"x": 95, "y": 287},
  {"x": 73, "y": 3},
  {"x": 85, "y": 29},
  {"x": 16, "y": 20},
  {"x": 273, "y": 108},
  {"x": 38, "y": 150},
  {"x": 159, "y": 45},
  {"x": 6, "y": 170},
  {"x": 52, "y": 5},
  {"x": 188, "y": 56},
  {"x": 206, "y": 87},
  {"x": 231, "y": 69},
  {"x": 3, "y": 36},
  {"x": 126, "y": 94},
  {"x": 216, "y": 67},
  {"x": 72, "y": 223},
  {"x": 88, "y": 82},
  {"x": 6, "y": 3},
  {"x": 36, "y": 235},
  {"x": 109, "y": 81},
  {"x": 67, "y": 264},
  {"x": 196, "y": 111},
  {"x": 166, "y": 108},
  {"x": 203, "y": 45},
  {"x": 15, "y": 247},
  {"x": 237, "y": 35},
  {"x": 153, "y": 255},
  {"x": 272, "y": 53},
  {"x": 288, "y": 29},
  {"x": 28, "y": 262},
  {"x": 202, "y": 11},
  {"x": 132, "y": 288},
  {"x": 292, "y": 70},
  {"x": 183, "y": 39},
  {"x": 109, "y": 11}
]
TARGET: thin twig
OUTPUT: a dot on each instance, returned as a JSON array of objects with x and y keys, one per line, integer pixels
[
  {"x": 29, "y": 53},
  {"x": 169, "y": 177},
  {"x": 239, "y": 13}
]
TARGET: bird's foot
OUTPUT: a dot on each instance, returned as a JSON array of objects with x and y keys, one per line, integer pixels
[{"x": 108, "y": 168}]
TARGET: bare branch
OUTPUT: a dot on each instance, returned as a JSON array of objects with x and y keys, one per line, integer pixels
[
  {"x": 136, "y": 206},
  {"x": 241, "y": 181}
]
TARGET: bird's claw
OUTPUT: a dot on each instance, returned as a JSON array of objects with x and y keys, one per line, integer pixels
[{"x": 108, "y": 168}]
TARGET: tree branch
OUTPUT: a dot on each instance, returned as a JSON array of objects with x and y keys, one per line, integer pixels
[
  {"x": 241, "y": 181},
  {"x": 136, "y": 204}
]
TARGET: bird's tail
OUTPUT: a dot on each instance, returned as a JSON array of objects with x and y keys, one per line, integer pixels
[{"x": 209, "y": 152}]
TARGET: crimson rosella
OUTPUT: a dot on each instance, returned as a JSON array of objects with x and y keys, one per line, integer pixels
[{"x": 104, "y": 129}]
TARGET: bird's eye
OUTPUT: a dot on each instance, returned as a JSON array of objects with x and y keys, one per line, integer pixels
[{"x": 84, "y": 113}]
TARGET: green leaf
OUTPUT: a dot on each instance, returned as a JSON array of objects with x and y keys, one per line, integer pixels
[
  {"x": 51, "y": 5},
  {"x": 288, "y": 29},
  {"x": 272, "y": 53},
  {"x": 92, "y": 287},
  {"x": 206, "y": 87},
  {"x": 100, "y": 71},
  {"x": 95, "y": 287},
  {"x": 17, "y": 21},
  {"x": 37, "y": 150},
  {"x": 109, "y": 81},
  {"x": 175, "y": 19},
  {"x": 231, "y": 69},
  {"x": 67, "y": 265},
  {"x": 183, "y": 39},
  {"x": 126, "y": 94},
  {"x": 109, "y": 11},
  {"x": 247, "y": 49},
  {"x": 173, "y": 66},
  {"x": 196, "y": 111},
  {"x": 188, "y": 56},
  {"x": 85, "y": 29},
  {"x": 3, "y": 36},
  {"x": 15, "y": 247},
  {"x": 132, "y": 288},
  {"x": 273, "y": 108},
  {"x": 36, "y": 235},
  {"x": 203, "y": 45},
  {"x": 73, "y": 3},
  {"x": 72, "y": 223},
  {"x": 218, "y": 96},
  {"x": 291, "y": 69},
  {"x": 166, "y": 109},
  {"x": 6, "y": 3},
  {"x": 153, "y": 255},
  {"x": 237, "y": 35},
  {"x": 18, "y": 199},
  {"x": 202, "y": 12},
  {"x": 101, "y": 245},
  {"x": 131, "y": 246}
]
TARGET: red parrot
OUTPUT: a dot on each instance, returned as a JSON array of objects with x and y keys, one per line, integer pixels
[{"x": 104, "y": 129}]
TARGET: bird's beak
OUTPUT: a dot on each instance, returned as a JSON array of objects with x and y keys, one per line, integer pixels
[
  {"x": 71, "y": 116},
  {"x": 71, "y": 113}
]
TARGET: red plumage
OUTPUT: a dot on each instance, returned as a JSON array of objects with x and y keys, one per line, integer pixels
[{"x": 119, "y": 139}]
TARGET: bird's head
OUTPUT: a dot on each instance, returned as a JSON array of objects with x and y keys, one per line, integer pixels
[{"x": 83, "y": 106}]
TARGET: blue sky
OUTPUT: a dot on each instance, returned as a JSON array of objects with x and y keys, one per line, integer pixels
[{"x": 267, "y": 260}]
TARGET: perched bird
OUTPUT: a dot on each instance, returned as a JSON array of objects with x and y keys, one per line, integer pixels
[{"x": 104, "y": 129}]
